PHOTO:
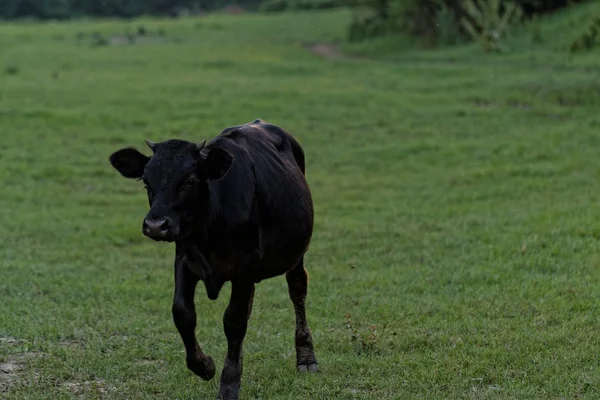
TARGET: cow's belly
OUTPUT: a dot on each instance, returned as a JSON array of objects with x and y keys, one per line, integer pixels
[{"x": 280, "y": 254}]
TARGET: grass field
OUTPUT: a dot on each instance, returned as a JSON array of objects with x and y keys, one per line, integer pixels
[{"x": 457, "y": 211}]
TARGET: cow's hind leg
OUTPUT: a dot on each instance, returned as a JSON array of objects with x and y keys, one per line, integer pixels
[
  {"x": 235, "y": 322},
  {"x": 184, "y": 316},
  {"x": 297, "y": 280}
]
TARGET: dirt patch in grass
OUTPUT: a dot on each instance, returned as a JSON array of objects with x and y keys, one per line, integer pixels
[
  {"x": 10, "y": 341},
  {"x": 95, "y": 385},
  {"x": 14, "y": 373},
  {"x": 329, "y": 51},
  {"x": 13, "y": 369},
  {"x": 152, "y": 363}
]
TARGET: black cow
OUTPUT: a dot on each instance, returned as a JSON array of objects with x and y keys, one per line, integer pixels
[{"x": 238, "y": 209}]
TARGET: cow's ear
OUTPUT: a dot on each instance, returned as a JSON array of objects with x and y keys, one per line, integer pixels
[
  {"x": 129, "y": 162},
  {"x": 215, "y": 163}
]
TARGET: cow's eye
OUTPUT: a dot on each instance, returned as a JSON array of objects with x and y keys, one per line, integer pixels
[{"x": 190, "y": 182}]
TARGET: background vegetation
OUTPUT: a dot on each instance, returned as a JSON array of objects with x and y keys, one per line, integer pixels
[
  {"x": 432, "y": 22},
  {"x": 65, "y": 9},
  {"x": 456, "y": 248},
  {"x": 446, "y": 21}
]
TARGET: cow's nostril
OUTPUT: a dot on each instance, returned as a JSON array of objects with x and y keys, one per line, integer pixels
[
  {"x": 156, "y": 227},
  {"x": 165, "y": 224}
]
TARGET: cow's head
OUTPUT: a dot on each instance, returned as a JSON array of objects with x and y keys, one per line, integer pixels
[{"x": 176, "y": 178}]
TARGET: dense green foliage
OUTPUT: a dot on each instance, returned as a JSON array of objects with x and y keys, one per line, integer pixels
[
  {"x": 588, "y": 40},
  {"x": 456, "y": 252},
  {"x": 544, "y": 6},
  {"x": 63, "y": 9},
  {"x": 435, "y": 21},
  {"x": 283, "y": 5}
]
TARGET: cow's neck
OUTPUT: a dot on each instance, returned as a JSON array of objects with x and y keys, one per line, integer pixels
[{"x": 210, "y": 268}]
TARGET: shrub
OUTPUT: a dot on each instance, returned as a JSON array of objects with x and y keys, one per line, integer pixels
[
  {"x": 590, "y": 39},
  {"x": 11, "y": 70},
  {"x": 419, "y": 18},
  {"x": 489, "y": 21},
  {"x": 64, "y": 9},
  {"x": 443, "y": 21},
  {"x": 274, "y": 5},
  {"x": 283, "y": 5},
  {"x": 534, "y": 7},
  {"x": 367, "y": 22},
  {"x": 98, "y": 40},
  {"x": 317, "y": 4}
]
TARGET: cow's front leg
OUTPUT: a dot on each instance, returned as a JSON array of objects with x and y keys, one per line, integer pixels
[
  {"x": 235, "y": 322},
  {"x": 184, "y": 316}
]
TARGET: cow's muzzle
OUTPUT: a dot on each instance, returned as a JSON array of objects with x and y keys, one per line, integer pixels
[{"x": 160, "y": 229}]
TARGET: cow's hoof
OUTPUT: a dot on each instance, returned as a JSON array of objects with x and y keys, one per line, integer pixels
[
  {"x": 313, "y": 367},
  {"x": 203, "y": 367},
  {"x": 229, "y": 392}
]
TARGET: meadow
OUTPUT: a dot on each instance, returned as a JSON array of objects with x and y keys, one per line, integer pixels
[{"x": 456, "y": 252}]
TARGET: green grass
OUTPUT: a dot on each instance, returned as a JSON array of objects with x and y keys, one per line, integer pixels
[{"x": 457, "y": 211}]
